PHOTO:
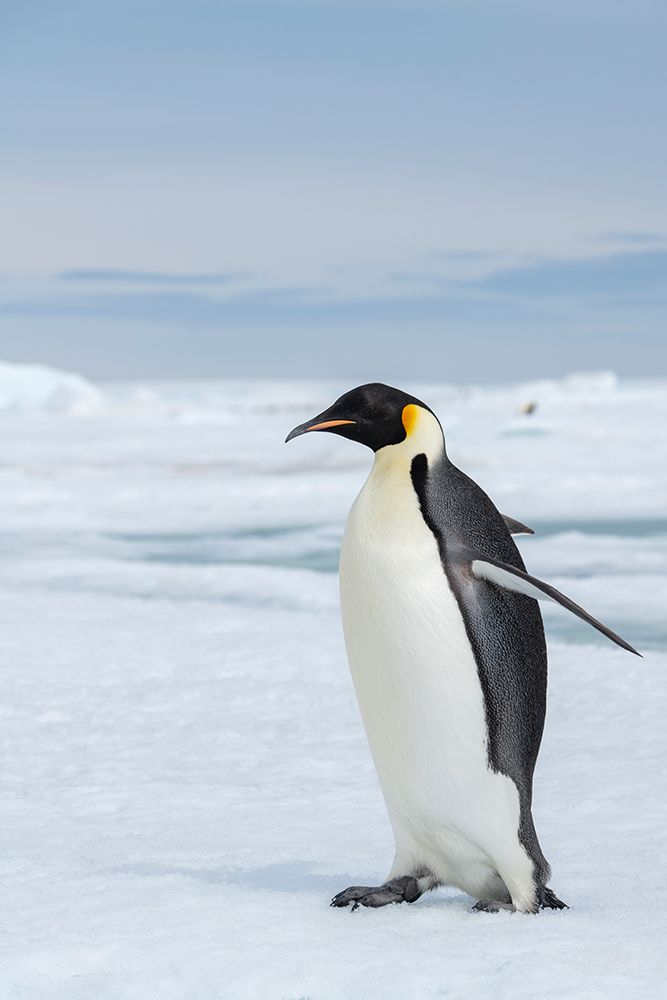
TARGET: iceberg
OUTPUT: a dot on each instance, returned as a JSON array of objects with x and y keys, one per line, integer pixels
[{"x": 28, "y": 388}]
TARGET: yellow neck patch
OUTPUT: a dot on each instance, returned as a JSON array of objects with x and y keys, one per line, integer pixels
[{"x": 410, "y": 416}]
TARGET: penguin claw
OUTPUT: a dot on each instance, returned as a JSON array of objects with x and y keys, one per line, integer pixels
[
  {"x": 398, "y": 890},
  {"x": 492, "y": 906},
  {"x": 550, "y": 901},
  {"x": 351, "y": 895},
  {"x": 547, "y": 900}
]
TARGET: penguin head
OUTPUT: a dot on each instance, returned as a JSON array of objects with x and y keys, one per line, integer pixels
[{"x": 376, "y": 415}]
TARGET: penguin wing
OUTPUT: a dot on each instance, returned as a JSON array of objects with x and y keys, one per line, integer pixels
[
  {"x": 503, "y": 575},
  {"x": 516, "y": 527}
]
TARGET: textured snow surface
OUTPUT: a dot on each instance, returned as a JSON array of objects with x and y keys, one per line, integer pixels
[{"x": 184, "y": 777}]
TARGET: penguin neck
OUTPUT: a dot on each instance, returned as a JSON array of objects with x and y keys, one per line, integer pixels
[{"x": 424, "y": 437}]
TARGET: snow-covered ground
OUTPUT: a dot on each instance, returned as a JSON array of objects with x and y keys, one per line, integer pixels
[{"x": 184, "y": 777}]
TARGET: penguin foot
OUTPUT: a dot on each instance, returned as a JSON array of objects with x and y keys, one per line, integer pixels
[
  {"x": 398, "y": 890},
  {"x": 492, "y": 906},
  {"x": 550, "y": 901},
  {"x": 547, "y": 900}
]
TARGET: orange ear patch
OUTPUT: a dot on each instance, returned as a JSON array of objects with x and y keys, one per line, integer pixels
[{"x": 410, "y": 416}]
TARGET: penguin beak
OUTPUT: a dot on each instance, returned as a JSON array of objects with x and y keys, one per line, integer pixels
[{"x": 316, "y": 424}]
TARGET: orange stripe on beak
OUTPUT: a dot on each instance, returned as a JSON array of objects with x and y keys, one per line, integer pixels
[{"x": 326, "y": 424}]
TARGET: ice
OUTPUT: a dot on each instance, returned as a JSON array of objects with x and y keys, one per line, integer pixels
[
  {"x": 36, "y": 388},
  {"x": 185, "y": 779}
]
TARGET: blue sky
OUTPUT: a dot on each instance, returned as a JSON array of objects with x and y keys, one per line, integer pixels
[{"x": 468, "y": 190}]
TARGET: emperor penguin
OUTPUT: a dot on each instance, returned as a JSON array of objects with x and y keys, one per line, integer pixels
[{"x": 446, "y": 648}]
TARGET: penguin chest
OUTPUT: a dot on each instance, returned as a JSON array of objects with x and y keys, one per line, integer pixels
[{"x": 412, "y": 665}]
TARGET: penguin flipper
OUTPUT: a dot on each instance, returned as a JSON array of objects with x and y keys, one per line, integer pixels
[
  {"x": 516, "y": 527},
  {"x": 511, "y": 578}
]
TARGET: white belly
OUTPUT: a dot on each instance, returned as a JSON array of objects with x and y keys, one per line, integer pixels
[{"x": 419, "y": 693}]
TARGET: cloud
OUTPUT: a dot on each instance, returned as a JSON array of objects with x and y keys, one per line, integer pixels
[
  {"x": 638, "y": 237},
  {"x": 267, "y": 308},
  {"x": 611, "y": 277},
  {"x": 149, "y": 277},
  {"x": 461, "y": 255},
  {"x": 545, "y": 317},
  {"x": 520, "y": 294}
]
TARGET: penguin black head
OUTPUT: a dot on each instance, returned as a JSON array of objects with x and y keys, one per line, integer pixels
[{"x": 374, "y": 414}]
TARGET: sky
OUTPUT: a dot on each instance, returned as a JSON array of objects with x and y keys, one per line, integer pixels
[{"x": 454, "y": 191}]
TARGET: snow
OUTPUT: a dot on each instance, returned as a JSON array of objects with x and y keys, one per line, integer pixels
[
  {"x": 185, "y": 780},
  {"x": 36, "y": 388}
]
